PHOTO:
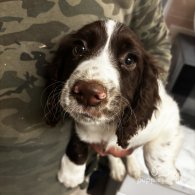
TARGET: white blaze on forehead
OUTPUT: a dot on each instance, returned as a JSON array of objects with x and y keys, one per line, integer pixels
[
  {"x": 101, "y": 67},
  {"x": 110, "y": 27}
]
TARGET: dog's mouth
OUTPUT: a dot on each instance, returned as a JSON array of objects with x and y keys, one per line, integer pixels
[
  {"x": 92, "y": 112},
  {"x": 88, "y": 114},
  {"x": 85, "y": 117}
]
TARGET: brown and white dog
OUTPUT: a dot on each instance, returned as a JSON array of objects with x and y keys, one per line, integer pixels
[{"x": 109, "y": 85}]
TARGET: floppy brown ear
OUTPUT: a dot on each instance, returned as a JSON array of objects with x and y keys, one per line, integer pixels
[{"x": 142, "y": 106}]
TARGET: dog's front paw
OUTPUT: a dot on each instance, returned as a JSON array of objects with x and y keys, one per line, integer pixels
[
  {"x": 69, "y": 181},
  {"x": 70, "y": 174},
  {"x": 166, "y": 177},
  {"x": 118, "y": 170},
  {"x": 134, "y": 170}
]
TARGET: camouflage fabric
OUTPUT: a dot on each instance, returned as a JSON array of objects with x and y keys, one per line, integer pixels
[{"x": 30, "y": 30}]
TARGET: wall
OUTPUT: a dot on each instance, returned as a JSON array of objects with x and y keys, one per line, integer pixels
[{"x": 179, "y": 16}]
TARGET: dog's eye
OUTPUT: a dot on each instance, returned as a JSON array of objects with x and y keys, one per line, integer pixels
[
  {"x": 129, "y": 62},
  {"x": 130, "y": 59},
  {"x": 79, "y": 50}
]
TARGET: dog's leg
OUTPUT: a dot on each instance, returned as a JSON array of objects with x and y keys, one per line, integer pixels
[
  {"x": 160, "y": 155},
  {"x": 117, "y": 168},
  {"x": 133, "y": 167},
  {"x": 73, "y": 163}
]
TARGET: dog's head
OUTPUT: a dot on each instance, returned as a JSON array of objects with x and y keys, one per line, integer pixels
[{"x": 102, "y": 74}]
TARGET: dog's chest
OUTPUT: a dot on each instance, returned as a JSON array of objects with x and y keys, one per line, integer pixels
[
  {"x": 105, "y": 134},
  {"x": 103, "y": 137},
  {"x": 97, "y": 133}
]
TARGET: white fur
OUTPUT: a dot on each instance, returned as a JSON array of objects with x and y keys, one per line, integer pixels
[
  {"x": 117, "y": 168},
  {"x": 110, "y": 27},
  {"x": 70, "y": 174},
  {"x": 133, "y": 168},
  {"x": 161, "y": 137}
]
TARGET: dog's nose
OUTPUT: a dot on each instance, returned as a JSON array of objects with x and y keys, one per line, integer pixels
[{"x": 89, "y": 93}]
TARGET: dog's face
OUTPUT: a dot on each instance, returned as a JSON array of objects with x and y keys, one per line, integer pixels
[{"x": 105, "y": 75}]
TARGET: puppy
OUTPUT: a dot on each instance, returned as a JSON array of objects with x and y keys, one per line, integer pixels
[{"x": 109, "y": 85}]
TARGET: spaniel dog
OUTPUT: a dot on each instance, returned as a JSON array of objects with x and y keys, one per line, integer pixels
[{"x": 110, "y": 87}]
